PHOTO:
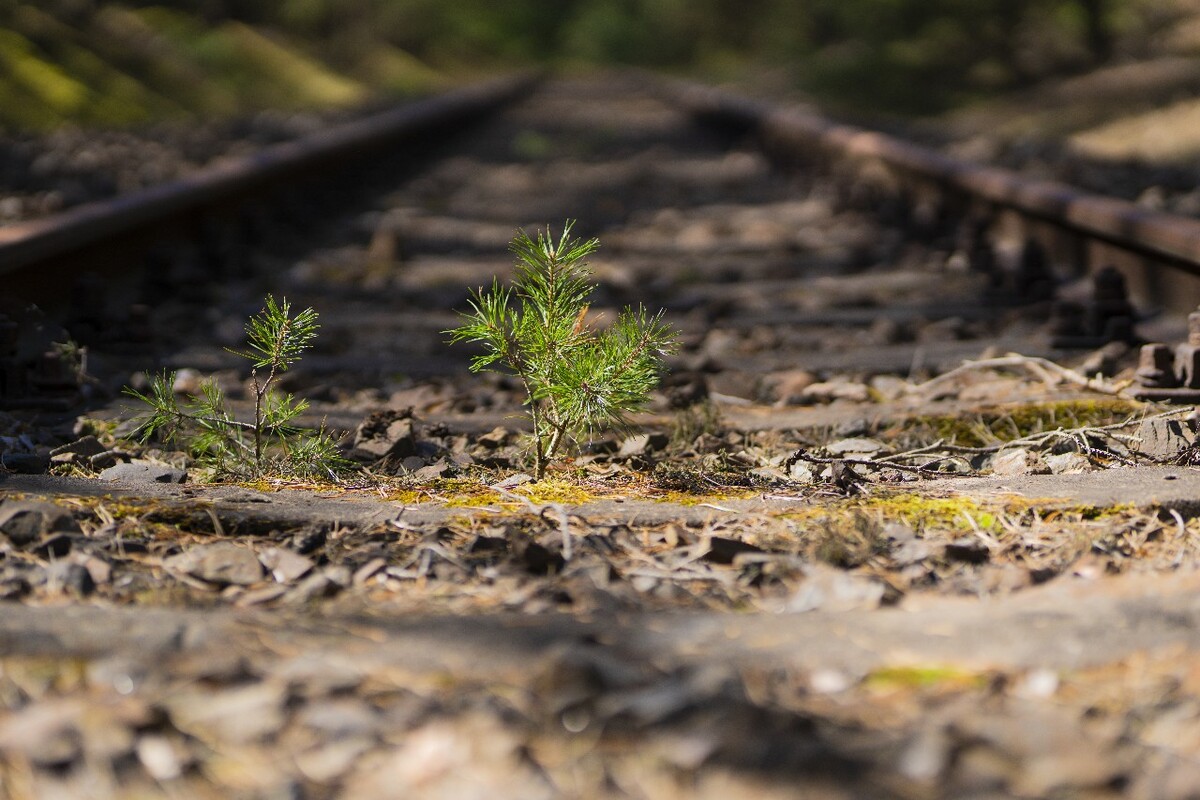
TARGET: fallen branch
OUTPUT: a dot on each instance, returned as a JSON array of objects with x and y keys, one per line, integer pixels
[{"x": 1043, "y": 368}]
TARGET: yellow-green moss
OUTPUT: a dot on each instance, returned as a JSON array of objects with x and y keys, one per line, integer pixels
[
  {"x": 1006, "y": 423},
  {"x": 926, "y": 676},
  {"x": 917, "y": 511}
]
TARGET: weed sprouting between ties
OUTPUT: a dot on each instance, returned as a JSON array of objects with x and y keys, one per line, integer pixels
[
  {"x": 271, "y": 444},
  {"x": 577, "y": 379}
]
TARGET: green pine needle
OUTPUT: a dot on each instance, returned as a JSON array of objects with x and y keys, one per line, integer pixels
[
  {"x": 578, "y": 380},
  {"x": 269, "y": 445}
]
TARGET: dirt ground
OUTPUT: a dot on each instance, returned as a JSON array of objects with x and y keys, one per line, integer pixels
[{"x": 822, "y": 565}]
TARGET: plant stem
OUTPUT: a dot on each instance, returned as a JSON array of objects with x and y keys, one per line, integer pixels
[{"x": 258, "y": 399}]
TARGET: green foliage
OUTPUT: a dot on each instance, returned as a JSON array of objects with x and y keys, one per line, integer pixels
[
  {"x": 577, "y": 379},
  {"x": 271, "y": 444}
]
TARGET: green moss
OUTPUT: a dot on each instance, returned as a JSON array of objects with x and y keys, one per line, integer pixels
[
  {"x": 927, "y": 676},
  {"x": 1004, "y": 424},
  {"x": 919, "y": 512}
]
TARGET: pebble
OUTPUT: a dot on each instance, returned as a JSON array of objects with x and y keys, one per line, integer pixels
[
  {"x": 856, "y": 446},
  {"x": 1069, "y": 464},
  {"x": 285, "y": 565},
  {"x": 35, "y": 463},
  {"x": 144, "y": 472},
  {"x": 86, "y": 446},
  {"x": 223, "y": 563},
  {"x": 828, "y": 589},
  {"x": 70, "y": 578},
  {"x": 1164, "y": 438},
  {"x": 23, "y": 521},
  {"x": 1018, "y": 461}
]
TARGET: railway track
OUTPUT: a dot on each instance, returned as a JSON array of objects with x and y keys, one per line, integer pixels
[{"x": 853, "y": 549}]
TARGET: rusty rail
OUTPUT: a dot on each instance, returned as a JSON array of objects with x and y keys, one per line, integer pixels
[
  {"x": 1170, "y": 238},
  {"x": 29, "y": 243}
]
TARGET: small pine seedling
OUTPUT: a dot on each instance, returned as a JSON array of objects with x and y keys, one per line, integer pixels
[
  {"x": 271, "y": 444},
  {"x": 576, "y": 379}
]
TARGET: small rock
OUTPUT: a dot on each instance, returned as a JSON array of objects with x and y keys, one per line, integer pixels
[
  {"x": 56, "y": 545},
  {"x": 496, "y": 437},
  {"x": 787, "y": 387},
  {"x": 368, "y": 571},
  {"x": 855, "y": 447},
  {"x": 241, "y": 715},
  {"x": 222, "y": 563},
  {"x": 44, "y": 733},
  {"x": 487, "y": 545},
  {"x": 316, "y": 585},
  {"x": 109, "y": 458},
  {"x": 308, "y": 541},
  {"x": 386, "y": 434},
  {"x": 98, "y": 568},
  {"x": 439, "y": 469},
  {"x": 144, "y": 472},
  {"x": 26, "y": 463},
  {"x": 831, "y": 589},
  {"x": 828, "y": 391},
  {"x": 160, "y": 757},
  {"x": 641, "y": 444},
  {"x": 328, "y": 763},
  {"x": 285, "y": 565},
  {"x": 1164, "y": 438},
  {"x": 513, "y": 481},
  {"x": 722, "y": 550},
  {"x": 23, "y": 521},
  {"x": 1019, "y": 461},
  {"x": 87, "y": 446},
  {"x": 413, "y": 463},
  {"x": 539, "y": 560},
  {"x": 70, "y": 578},
  {"x": 768, "y": 474},
  {"x": 1069, "y": 464},
  {"x": 801, "y": 472},
  {"x": 968, "y": 550},
  {"x": 187, "y": 382},
  {"x": 889, "y": 387}
]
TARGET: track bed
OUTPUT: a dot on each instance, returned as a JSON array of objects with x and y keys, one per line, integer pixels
[{"x": 814, "y": 569}]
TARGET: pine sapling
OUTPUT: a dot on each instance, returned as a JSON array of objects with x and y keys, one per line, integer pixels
[
  {"x": 576, "y": 379},
  {"x": 271, "y": 443}
]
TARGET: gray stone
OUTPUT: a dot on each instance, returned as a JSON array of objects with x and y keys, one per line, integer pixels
[
  {"x": 26, "y": 463},
  {"x": 1164, "y": 438},
  {"x": 23, "y": 521},
  {"x": 386, "y": 436},
  {"x": 285, "y": 565},
  {"x": 246, "y": 714},
  {"x": 800, "y": 472},
  {"x": 1018, "y": 461},
  {"x": 87, "y": 446},
  {"x": 70, "y": 578},
  {"x": 496, "y": 437},
  {"x": 831, "y": 589},
  {"x": 144, "y": 472},
  {"x": 1069, "y": 463},
  {"x": 440, "y": 469},
  {"x": 641, "y": 444},
  {"x": 109, "y": 458},
  {"x": 855, "y": 447},
  {"x": 221, "y": 563}
]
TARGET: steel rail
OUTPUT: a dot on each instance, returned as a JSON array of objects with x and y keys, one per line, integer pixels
[
  {"x": 29, "y": 243},
  {"x": 1170, "y": 238}
]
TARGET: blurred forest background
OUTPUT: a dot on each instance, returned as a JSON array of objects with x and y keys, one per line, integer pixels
[{"x": 130, "y": 62}]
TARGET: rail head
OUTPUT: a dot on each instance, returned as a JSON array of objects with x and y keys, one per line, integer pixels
[
  {"x": 28, "y": 243},
  {"x": 1170, "y": 238}
]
